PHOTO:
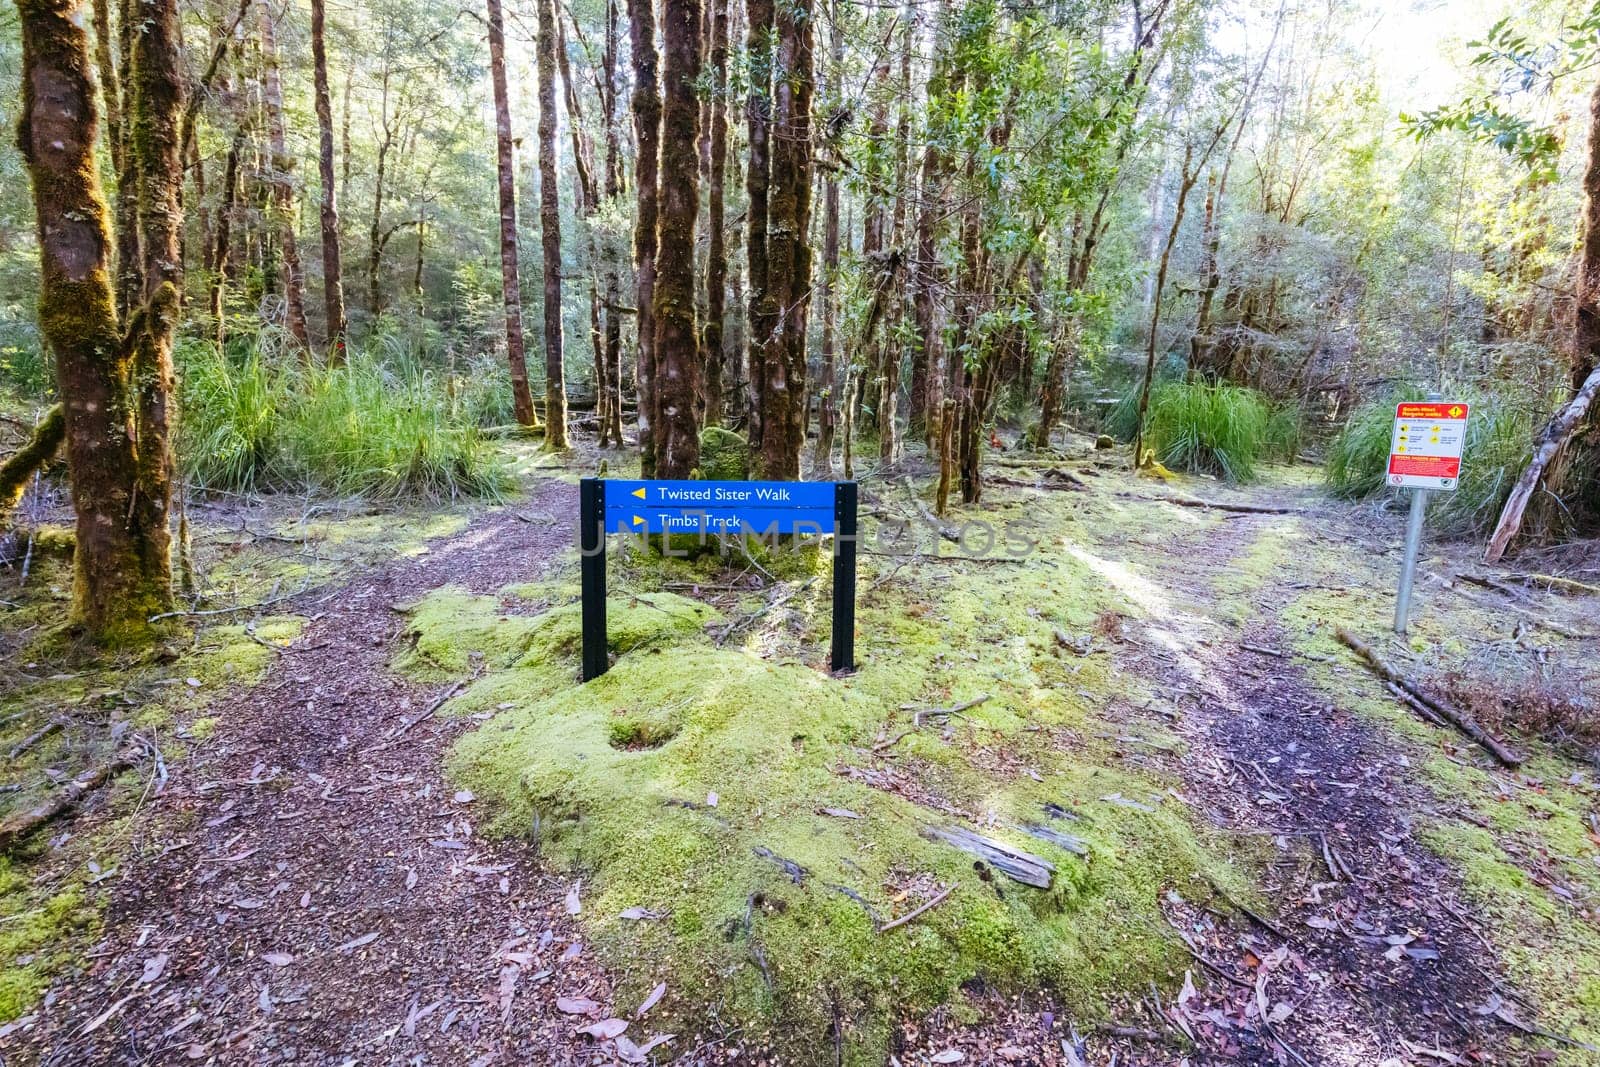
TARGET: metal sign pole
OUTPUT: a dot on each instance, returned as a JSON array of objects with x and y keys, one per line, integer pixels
[
  {"x": 1408, "y": 569},
  {"x": 592, "y": 550},
  {"x": 843, "y": 657}
]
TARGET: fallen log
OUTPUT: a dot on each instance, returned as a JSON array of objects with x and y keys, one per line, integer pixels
[
  {"x": 1556, "y": 433},
  {"x": 1215, "y": 505},
  {"x": 1021, "y": 866},
  {"x": 1551, "y": 581},
  {"x": 20, "y": 825},
  {"x": 1457, "y": 718}
]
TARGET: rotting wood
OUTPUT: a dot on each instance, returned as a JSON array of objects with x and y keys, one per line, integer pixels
[
  {"x": 1460, "y": 720},
  {"x": 1020, "y": 866},
  {"x": 795, "y": 872},
  {"x": 919, "y": 910},
  {"x": 1064, "y": 841},
  {"x": 18, "y": 826}
]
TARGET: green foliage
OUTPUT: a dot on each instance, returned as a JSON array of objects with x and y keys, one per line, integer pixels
[
  {"x": 1224, "y": 430},
  {"x": 1498, "y": 446},
  {"x": 252, "y": 418}
]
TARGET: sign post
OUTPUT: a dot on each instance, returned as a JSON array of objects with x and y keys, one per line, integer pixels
[
  {"x": 1424, "y": 456},
  {"x": 715, "y": 509}
]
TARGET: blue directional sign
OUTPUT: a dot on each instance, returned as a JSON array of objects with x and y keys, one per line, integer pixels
[{"x": 719, "y": 508}]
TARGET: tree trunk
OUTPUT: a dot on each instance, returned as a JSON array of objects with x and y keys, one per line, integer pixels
[
  {"x": 611, "y": 412},
  {"x": 220, "y": 252},
  {"x": 114, "y": 383},
  {"x": 1551, "y": 444},
  {"x": 587, "y": 204},
  {"x": 927, "y": 379},
  {"x": 783, "y": 414},
  {"x": 716, "y": 236},
  {"x": 332, "y": 270},
  {"x": 510, "y": 282},
  {"x": 283, "y": 185},
  {"x": 827, "y": 401},
  {"x": 555, "y": 378},
  {"x": 375, "y": 236},
  {"x": 758, "y": 115},
  {"x": 647, "y": 132},
  {"x": 677, "y": 355},
  {"x": 1151, "y": 342}
]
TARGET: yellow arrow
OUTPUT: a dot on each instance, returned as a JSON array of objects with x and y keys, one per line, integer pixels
[
  {"x": 639, "y": 492},
  {"x": 637, "y": 521}
]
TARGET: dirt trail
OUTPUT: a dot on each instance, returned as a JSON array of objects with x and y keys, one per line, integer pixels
[
  {"x": 1382, "y": 962},
  {"x": 315, "y": 892}
]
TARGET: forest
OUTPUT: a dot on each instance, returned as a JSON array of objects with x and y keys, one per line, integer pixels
[{"x": 1159, "y": 744}]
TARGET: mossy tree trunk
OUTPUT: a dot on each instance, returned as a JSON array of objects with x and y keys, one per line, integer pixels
[
  {"x": 115, "y": 380},
  {"x": 332, "y": 260},
  {"x": 611, "y": 424},
  {"x": 647, "y": 157},
  {"x": 783, "y": 417},
  {"x": 677, "y": 349},
  {"x": 716, "y": 229},
  {"x": 828, "y": 408},
  {"x": 219, "y": 255},
  {"x": 282, "y": 182},
  {"x": 510, "y": 279},
  {"x": 555, "y": 376},
  {"x": 758, "y": 117},
  {"x": 34, "y": 454},
  {"x": 586, "y": 204}
]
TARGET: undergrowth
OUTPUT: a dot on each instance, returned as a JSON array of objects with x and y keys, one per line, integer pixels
[
  {"x": 1498, "y": 447},
  {"x": 1222, "y": 430},
  {"x": 383, "y": 425}
]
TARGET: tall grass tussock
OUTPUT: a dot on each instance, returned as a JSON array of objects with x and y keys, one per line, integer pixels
[
  {"x": 1222, "y": 430},
  {"x": 383, "y": 425},
  {"x": 1498, "y": 448}
]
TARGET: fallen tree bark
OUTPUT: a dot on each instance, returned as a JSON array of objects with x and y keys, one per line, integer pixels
[
  {"x": 20, "y": 825},
  {"x": 1557, "y": 432},
  {"x": 1459, "y": 719}
]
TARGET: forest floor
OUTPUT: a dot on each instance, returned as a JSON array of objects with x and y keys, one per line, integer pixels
[{"x": 386, "y": 826}]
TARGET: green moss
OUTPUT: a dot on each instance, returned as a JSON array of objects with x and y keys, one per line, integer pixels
[
  {"x": 37, "y": 937},
  {"x": 614, "y": 780},
  {"x": 453, "y": 633},
  {"x": 724, "y": 455}
]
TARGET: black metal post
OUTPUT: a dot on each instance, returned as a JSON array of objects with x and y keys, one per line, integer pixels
[
  {"x": 592, "y": 549},
  {"x": 843, "y": 658}
]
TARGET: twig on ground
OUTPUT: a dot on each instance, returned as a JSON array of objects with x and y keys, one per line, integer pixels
[
  {"x": 438, "y": 702},
  {"x": 919, "y": 910},
  {"x": 1460, "y": 720},
  {"x": 34, "y": 738}
]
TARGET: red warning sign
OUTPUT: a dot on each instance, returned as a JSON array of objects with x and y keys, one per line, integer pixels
[{"x": 1428, "y": 441}]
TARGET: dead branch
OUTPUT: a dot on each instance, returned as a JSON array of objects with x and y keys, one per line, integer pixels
[
  {"x": 1215, "y": 505},
  {"x": 1551, "y": 440},
  {"x": 918, "y": 910},
  {"x": 1459, "y": 719},
  {"x": 1551, "y": 581},
  {"x": 20, "y": 825},
  {"x": 438, "y": 702},
  {"x": 34, "y": 738}
]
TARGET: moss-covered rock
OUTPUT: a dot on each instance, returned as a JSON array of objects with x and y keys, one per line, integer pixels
[{"x": 724, "y": 455}]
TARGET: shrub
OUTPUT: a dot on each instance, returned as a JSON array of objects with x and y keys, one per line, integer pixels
[
  {"x": 1224, "y": 430},
  {"x": 1499, "y": 445},
  {"x": 258, "y": 418}
]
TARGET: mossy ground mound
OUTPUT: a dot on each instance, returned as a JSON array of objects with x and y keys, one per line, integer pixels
[{"x": 703, "y": 783}]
